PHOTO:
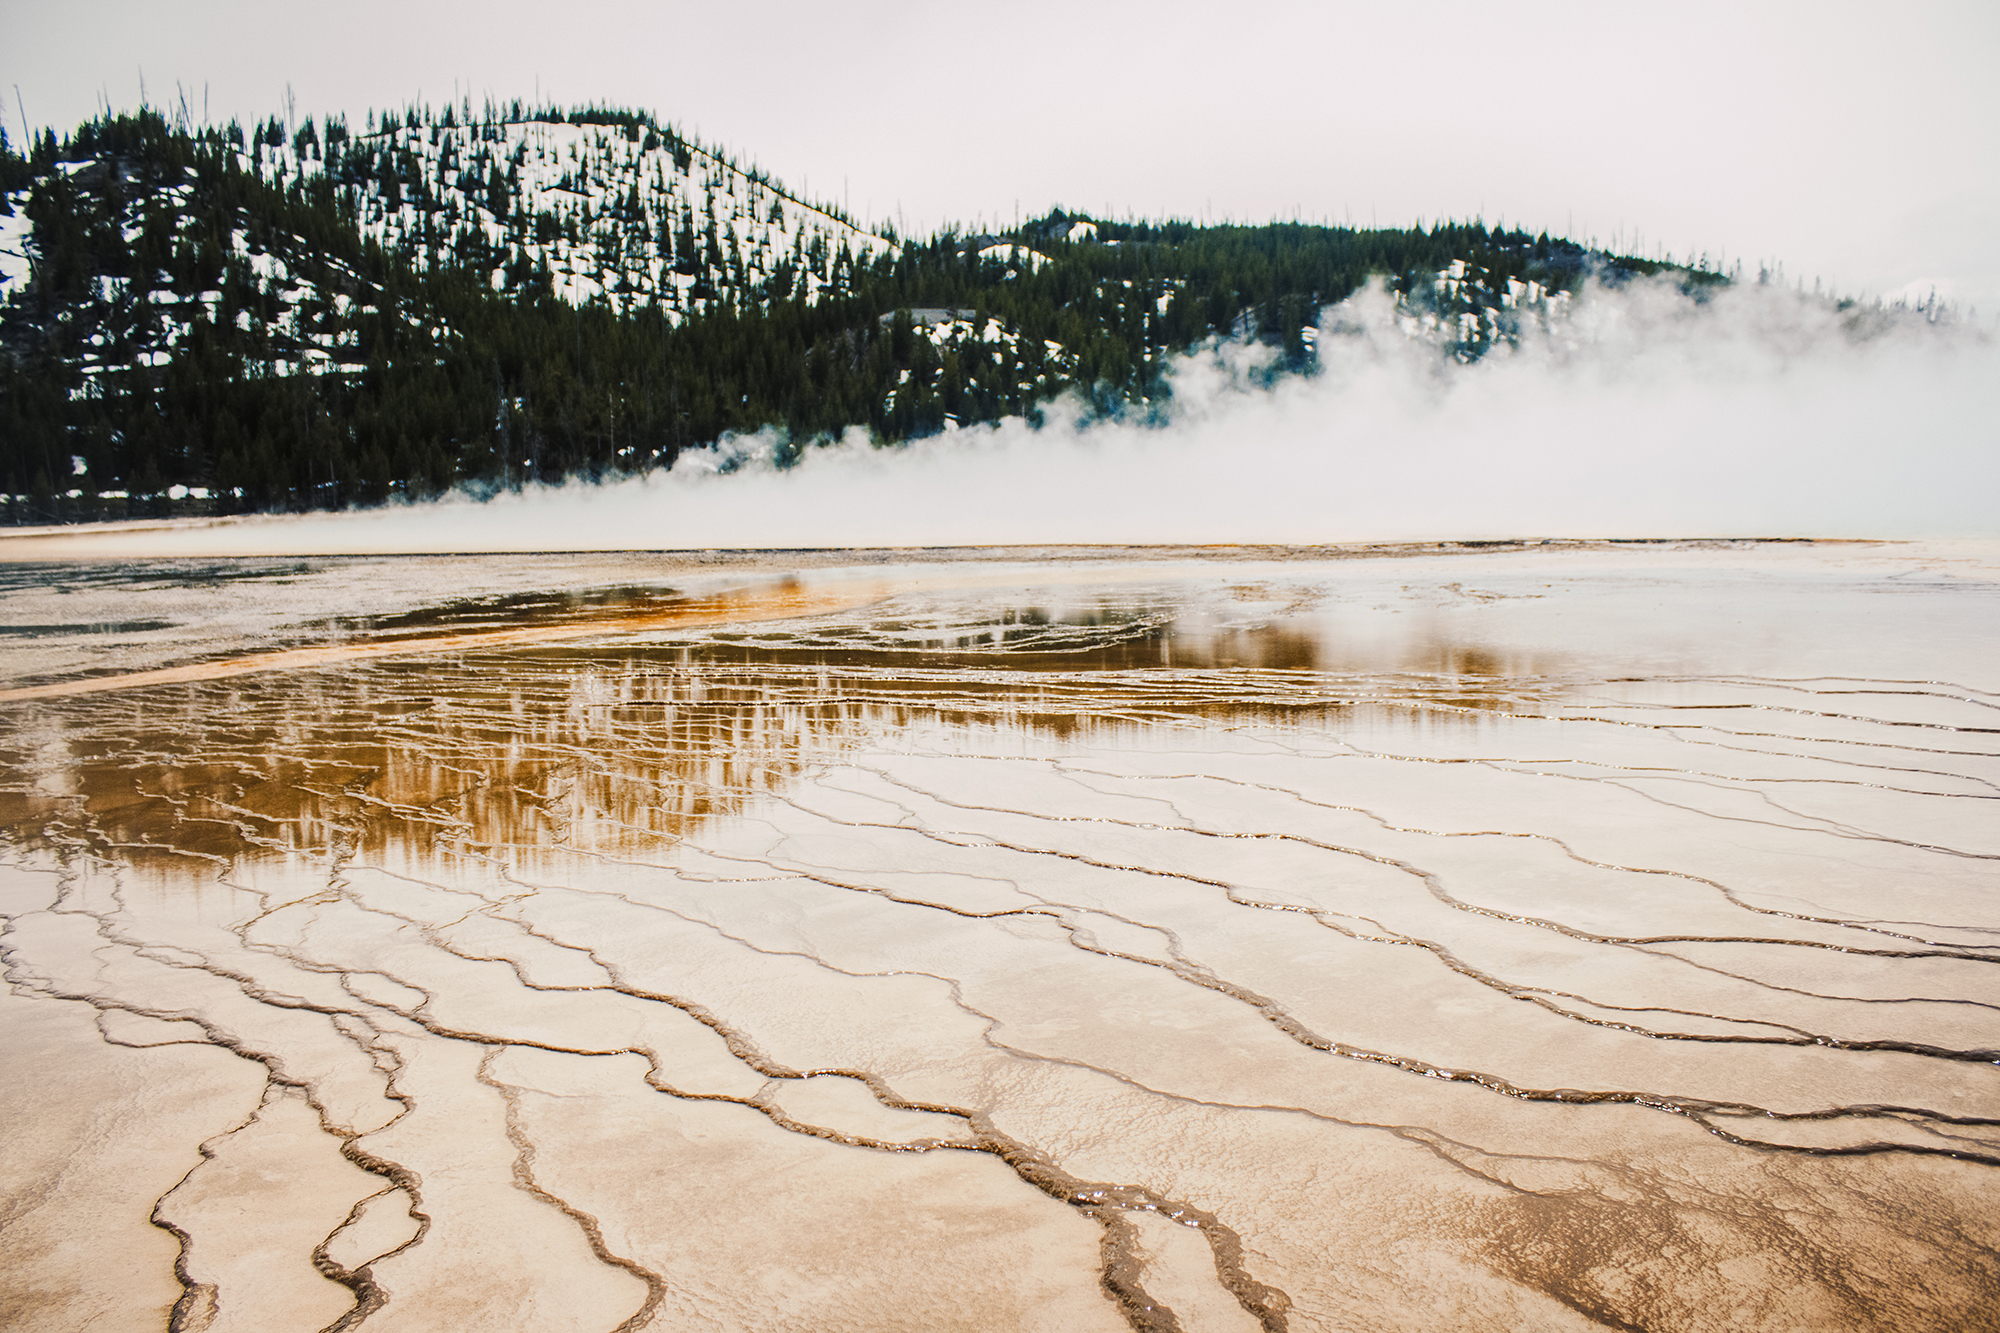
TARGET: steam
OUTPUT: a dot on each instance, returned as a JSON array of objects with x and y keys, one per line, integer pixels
[{"x": 1636, "y": 412}]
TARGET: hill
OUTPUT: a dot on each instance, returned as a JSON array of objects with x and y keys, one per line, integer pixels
[{"x": 307, "y": 316}]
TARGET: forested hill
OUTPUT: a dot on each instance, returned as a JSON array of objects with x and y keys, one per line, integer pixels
[{"x": 313, "y": 315}]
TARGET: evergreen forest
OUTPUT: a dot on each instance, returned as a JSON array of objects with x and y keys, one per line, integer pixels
[{"x": 304, "y": 316}]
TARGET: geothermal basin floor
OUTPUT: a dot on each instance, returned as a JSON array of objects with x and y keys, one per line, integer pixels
[{"x": 1502, "y": 937}]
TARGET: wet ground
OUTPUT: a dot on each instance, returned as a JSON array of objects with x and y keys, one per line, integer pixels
[{"x": 1436, "y": 939}]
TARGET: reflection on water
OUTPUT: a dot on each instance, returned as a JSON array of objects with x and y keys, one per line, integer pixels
[
  {"x": 603, "y": 750},
  {"x": 1295, "y": 951},
  {"x": 1133, "y": 629}
]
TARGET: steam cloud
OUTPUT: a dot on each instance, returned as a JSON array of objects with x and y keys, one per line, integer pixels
[{"x": 1640, "y": 413}]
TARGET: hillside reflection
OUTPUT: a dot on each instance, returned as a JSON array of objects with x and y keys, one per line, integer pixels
[{"x": 525, "y": 755}]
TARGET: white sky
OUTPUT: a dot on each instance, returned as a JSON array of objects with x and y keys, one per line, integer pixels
[{"x": 1856, "y": 142}]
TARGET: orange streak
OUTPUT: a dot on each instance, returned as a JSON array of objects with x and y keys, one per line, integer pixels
[{"x": 781, "y": 605}]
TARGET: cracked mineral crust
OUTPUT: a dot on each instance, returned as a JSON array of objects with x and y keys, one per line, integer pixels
[{"x": 1530, "y": 937}]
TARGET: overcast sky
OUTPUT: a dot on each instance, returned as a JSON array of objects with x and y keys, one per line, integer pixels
[{"x": 1855, "y": 142}]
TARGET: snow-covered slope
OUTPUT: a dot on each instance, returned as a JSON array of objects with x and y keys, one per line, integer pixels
[
  {"x": 631, "y": 213},
  {"x": 183, "y": 261},
  {"x": 16, "y": 262},
  {"x": 1467, "y": 309},
  {"x": 627, "y": 213}
]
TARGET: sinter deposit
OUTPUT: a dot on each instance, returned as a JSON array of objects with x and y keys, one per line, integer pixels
[{"x": 1522, "y": 938}]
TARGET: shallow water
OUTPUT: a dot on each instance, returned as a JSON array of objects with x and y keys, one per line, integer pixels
[{"x": 1520, "y": 939}]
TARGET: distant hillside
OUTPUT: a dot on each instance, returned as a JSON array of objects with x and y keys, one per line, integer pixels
[
  {"x": 593, "y": 205},
  {"x": 306, "y": 316}
]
